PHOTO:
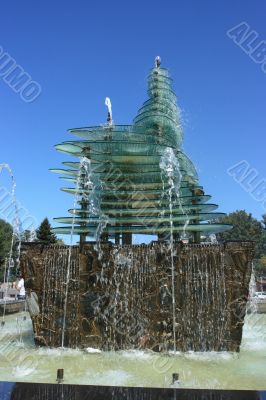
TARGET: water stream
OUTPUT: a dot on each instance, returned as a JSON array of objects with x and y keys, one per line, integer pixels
[
  {"x": 15, "y": 244},
  {"x": 83, "y": 182},
  {"x": 170, "y": 166}
]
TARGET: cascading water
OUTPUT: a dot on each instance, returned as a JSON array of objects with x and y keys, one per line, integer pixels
[
  {"x": 83, "y": 181},
  {"x": 206, "y": 283},
  {"x": 86, "y": 189},
  {"x": 129, "y": 303},
  {"x": 213, "y": 238},
  {"x": 15, "y": 239},
  {"x": 92, "y": 185},
  {"x": 170, "y": 167},
  {"x": 252, "y": 301}
]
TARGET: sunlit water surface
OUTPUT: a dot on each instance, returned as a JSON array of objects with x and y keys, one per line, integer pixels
[{"x": 21, "y": 361}]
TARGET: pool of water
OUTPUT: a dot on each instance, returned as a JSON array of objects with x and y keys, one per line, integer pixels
[{"x": 21, "y": 361}]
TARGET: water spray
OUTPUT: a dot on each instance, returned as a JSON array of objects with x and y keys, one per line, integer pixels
[
  {"x": 16, "y": 235},
  {"x": 109, "y": 107}
]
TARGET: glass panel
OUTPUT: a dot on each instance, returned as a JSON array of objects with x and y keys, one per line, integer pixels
[
  {"x": 144, "y": 220},
  {"x": 150, "y": 210},
  {"x": 206, "y": 228}
]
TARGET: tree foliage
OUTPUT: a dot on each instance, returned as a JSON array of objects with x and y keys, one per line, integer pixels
[
  {"x": 245, "y": 227},
  {"x": 6, "y": 231},
  {"x": 44, "y": 233}
]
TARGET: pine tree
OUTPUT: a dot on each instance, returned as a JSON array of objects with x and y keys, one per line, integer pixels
[{"x": 45, "y": 234}]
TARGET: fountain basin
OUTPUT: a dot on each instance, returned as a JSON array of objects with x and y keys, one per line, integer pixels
[{"x": 22, "y": 361}]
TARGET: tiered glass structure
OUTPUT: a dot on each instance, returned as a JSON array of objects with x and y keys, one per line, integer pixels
[{"x": 135, "y": 179}]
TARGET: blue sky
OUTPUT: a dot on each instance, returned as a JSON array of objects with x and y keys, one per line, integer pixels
[{"x": 82, "y": 51}]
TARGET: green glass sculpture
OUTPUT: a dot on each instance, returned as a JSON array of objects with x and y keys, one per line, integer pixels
[{"x": 135, "y": 179}]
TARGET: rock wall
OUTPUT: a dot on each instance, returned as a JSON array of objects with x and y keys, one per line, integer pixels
[{"x": 120, "y": 297}]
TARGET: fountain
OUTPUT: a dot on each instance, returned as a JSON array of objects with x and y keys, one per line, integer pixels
[{"x": 177, "y": 293}]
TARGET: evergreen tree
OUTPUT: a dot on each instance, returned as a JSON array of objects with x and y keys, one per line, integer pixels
[{"x": 45, "y": 234}]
